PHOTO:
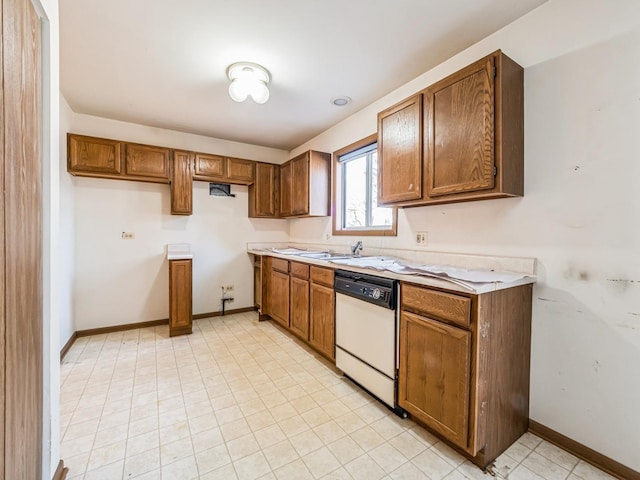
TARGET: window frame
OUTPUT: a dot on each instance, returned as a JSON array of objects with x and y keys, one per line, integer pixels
[{"x": 337, "y": 204}]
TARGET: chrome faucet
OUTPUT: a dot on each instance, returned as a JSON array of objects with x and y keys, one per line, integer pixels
[{"x": 356, "y": 249}]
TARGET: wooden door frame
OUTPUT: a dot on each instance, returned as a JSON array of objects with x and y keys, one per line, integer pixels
[{"x": 22, "y": 238}]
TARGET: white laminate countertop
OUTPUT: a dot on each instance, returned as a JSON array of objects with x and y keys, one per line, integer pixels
[
  {"x": 524, "y": 268},
  {"x": 179, "y": 251}
]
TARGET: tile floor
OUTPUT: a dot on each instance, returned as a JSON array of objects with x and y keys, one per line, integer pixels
[{"x": 241, "y": 399}]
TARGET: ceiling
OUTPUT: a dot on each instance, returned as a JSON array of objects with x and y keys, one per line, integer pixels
[{"x": 163, "y": 63}]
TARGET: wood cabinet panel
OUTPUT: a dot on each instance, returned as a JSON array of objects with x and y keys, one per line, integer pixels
[
  {"x": 240, "y": 170},
  {"x": 93, "y": 155},
  {"x": 265, "y": 304},
  {"x": 180, "y": 297},
  {"x": 322, "y": 319},
  {"x": 146, "y": 161},
  {"x": 279, "y": 297},
  {"x": 461, "y": 129},
  {"x": 210, "y": 166},
  {"x": 286, "y": 189},
  {"x": 434, "y": 377},
  {"x": 257, "y": 283},
  {"x": 400, "y": 152},
  {"x": 182, "y": 183},
  {"x": 300, "y": 185},
  {"x": 263, "y": 194},
  {"x": 323, "y": 276},
  {"x": 440, "y": 305},
  {"x": 299, "y": 307}
]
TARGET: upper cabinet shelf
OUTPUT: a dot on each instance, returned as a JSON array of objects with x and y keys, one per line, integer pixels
[{"x": 460, "y": 139}]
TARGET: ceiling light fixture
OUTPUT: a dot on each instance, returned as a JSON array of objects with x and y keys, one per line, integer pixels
[
  {"x": 340, "y": 101},
  {"x": 248, "y": 79}
]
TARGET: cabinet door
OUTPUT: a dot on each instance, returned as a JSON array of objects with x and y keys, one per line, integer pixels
[
  {"x": 263, "y": 193},
  {"x": 322, "y": 319},
  {"x": 210, "y": 166},
  {"x": 400, "y": 152},
  {"x": 182, "y": 183},
  {"x": 279, "y": 301},
  {"x": 299, "y": 313},
  {"x": 300, "y": 185},
  {"x": 460, "y": 143},
  {"x": 286, "y": 186},
  {"x": 93, "y": 155},
  {"x": 240, "y": 170},
  {"x": 434, "y": 377},
  {"x": 180, "y": 297},
  {"x": 146, "y": 161}
]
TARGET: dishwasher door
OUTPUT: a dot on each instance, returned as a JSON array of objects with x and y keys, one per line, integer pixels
[{"x": 368, "y": 332}]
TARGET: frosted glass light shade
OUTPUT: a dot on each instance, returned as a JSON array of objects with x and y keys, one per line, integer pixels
[{"x": 248, "y": 79}]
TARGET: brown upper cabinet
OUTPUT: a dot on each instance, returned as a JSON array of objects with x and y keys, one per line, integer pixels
[
  {"x": 93, "y": 155},
  {"x": 223, "y": 169},
  {"x": 460, "y": 139},
  {"x": 182, "y": 183},
  {"x": 146, "y": 161},
  {"x": 286, "y": 190},
  {"x": 305, "y": 185},
  {"x": 400, "y": 152},
  {"x": 263, "y": 193},
  {"x": 101, "y": 157}
]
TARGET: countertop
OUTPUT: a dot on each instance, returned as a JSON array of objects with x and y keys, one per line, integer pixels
[{"x": 524, "y": 266}]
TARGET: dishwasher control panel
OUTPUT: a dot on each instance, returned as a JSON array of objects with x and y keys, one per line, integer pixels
[{"x": 377, "y": 290}]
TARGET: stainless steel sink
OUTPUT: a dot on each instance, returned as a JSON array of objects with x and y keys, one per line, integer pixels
[{"x": 325, "y": 256}]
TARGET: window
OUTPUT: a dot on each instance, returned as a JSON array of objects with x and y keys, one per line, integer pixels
[{"x": 356, "y": 210}]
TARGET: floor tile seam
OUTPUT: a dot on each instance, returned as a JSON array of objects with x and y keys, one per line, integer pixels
[
  {"x": 95, "y": 435},
  {"x": 554, "y": 462},
  {"x": 550, "y": 460}
]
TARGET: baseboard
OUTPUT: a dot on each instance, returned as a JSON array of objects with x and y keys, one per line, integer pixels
[
  {"x": 61, "y": 472},
  {"x": 151, "y": 323},
  {"x": 587, "y": 454},
  {"x": 121, "y": 328},
  {"x": 68, "y": 345},
  {"x": 200, "y": 316}
]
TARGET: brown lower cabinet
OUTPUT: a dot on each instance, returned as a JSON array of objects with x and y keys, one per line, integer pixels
[
  {"x": 279, "y": 291},
  {"x": 180, "y": 297},
  {"x": 300, "y": 298},
  {"x": 322, "y": 311},
  {"x": 464, "y": 366},
  {"x": 299, "y": 301}
]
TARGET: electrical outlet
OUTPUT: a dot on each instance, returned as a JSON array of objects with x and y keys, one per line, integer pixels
[
  {"x": 128, "y": 235},
  {"x": 421, "y": 238},
  {"x": 227, "y": 288}
]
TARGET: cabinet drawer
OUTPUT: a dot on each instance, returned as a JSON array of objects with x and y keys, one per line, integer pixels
[
  {"x": 300, "y": 270},
  {"x": 444, "y": 306},
  {"x": 323, "y": 276},
  {"x": 280, "y": 265}
]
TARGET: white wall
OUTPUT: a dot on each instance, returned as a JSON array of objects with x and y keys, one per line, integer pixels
[
  {"x": 580, "y": 215},
  {"x": 48, "y": 10},
  {"x": 126, "y": 281},
  {"x": 66, "y": 245}
]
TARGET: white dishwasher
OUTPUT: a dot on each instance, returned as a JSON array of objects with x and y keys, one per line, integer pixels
[{"x": 367, "y": 333}]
